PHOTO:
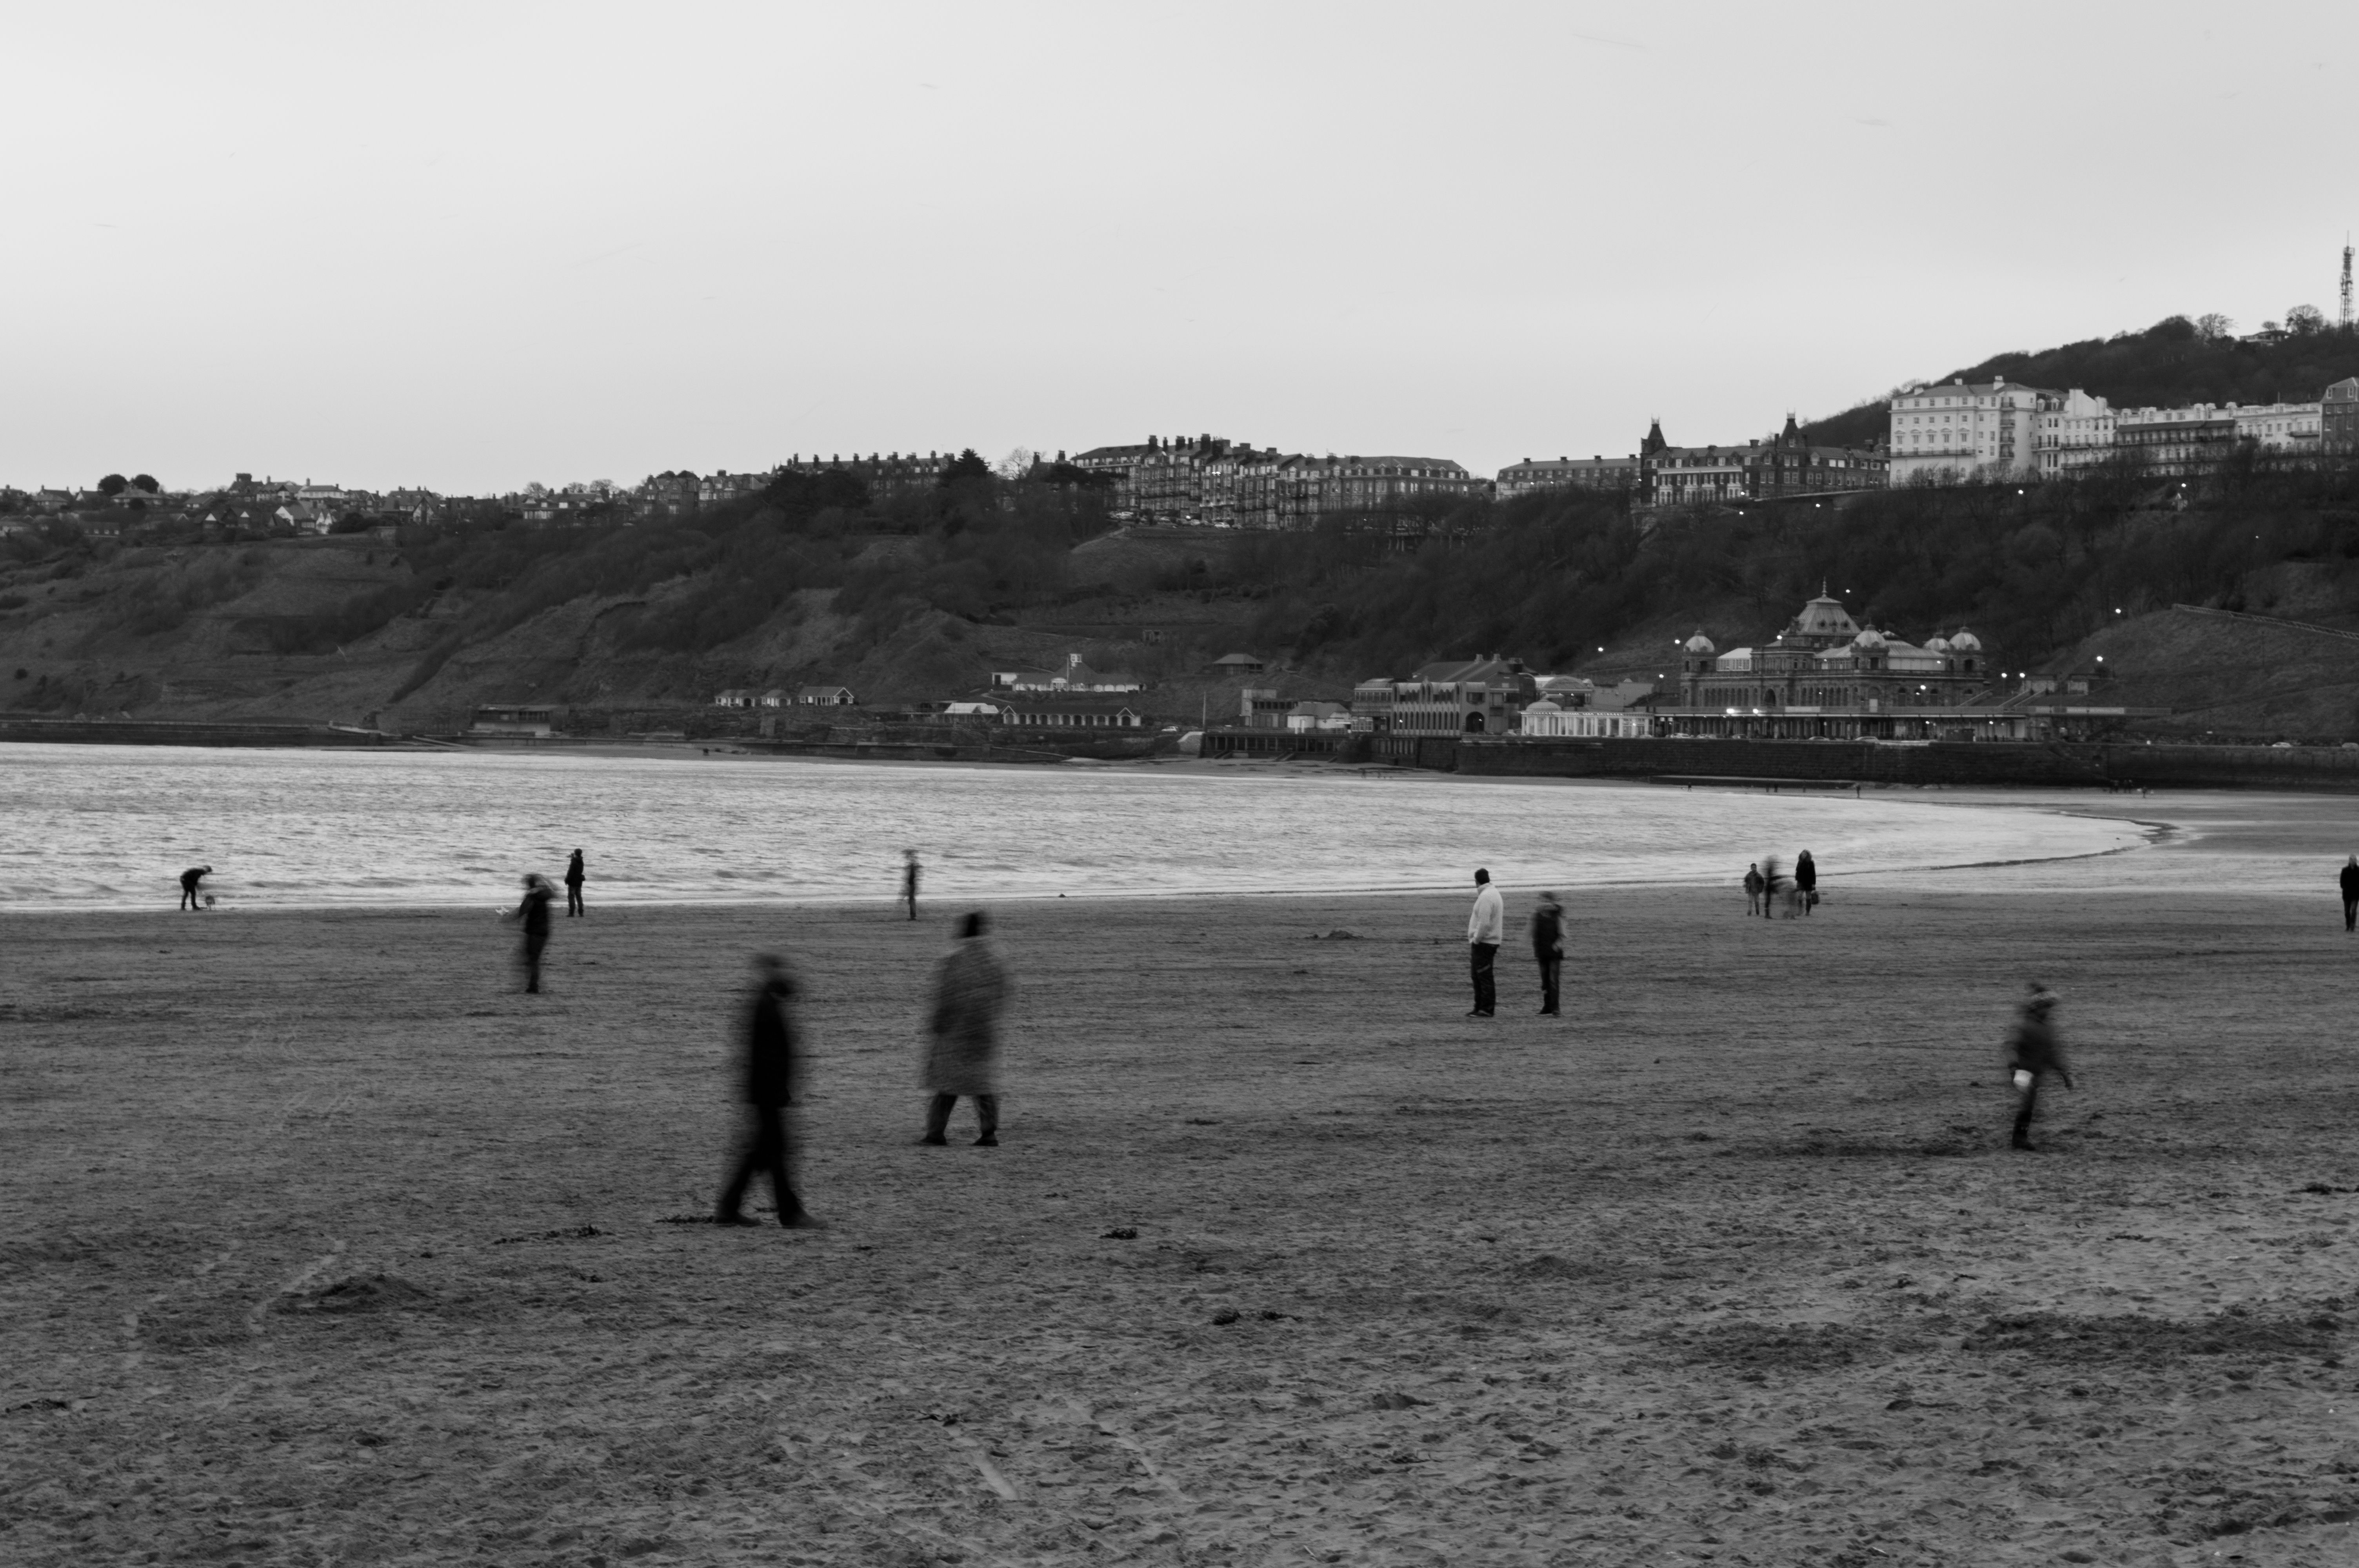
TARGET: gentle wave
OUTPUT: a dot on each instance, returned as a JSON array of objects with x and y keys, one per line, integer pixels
[{"x": 112, "y": 826}]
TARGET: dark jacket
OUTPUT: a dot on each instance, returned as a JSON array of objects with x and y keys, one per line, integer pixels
[
  {"x": 2351, "y": 881},
  {"x": 575, "y": 875},
  {"x": 2032, "y": 1045},
  {"x": 770, "y": 1066},
  {"x": 1806, "y": 873},
  {"x": 534, "y": 911},
  {"x": 1548, "y": 931}
]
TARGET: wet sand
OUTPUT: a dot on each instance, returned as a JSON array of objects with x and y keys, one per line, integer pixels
[{"x": 324, "y": 1245}]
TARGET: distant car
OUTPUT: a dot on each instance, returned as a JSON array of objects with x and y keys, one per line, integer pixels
[{"x": 2282, "y": 746}]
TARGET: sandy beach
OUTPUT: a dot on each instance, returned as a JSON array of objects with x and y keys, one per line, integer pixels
[{"x": 323, "y": 1245}]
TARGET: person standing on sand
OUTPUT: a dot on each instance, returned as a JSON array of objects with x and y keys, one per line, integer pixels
[
  {"x": 773, "y": 1069},
  {"x": 2350, "y": 893},
  {"x": 1806, "y": 879},
  {"x": 1769, "y": 879},
  {"x": 574, "y": 877},
  {"x": 1486, "y": 928},
  {"x": 909, "y": 870},
  {"x": 1754, "y": 886},
  {"x": 1547, "y": 950},
  {"x": 2032, "y": 1053},
  {"x": 534, "y": 913},
  {"x": 962, "y": 1034},
  {"x": 190, "y": 895}
]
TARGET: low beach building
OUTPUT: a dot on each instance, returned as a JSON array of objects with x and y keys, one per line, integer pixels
[
  {"x": 527, "y": 719},
  {"x": 1057, "y": 711},
  {"x": 1456, "y": 696},
  {"x": 1072, "y": 676},
  {"x": 1546, "y": 721}
]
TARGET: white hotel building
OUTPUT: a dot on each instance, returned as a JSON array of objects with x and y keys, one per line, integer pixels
[
  {"x": 1956, "y": 431},
  {"x": 2279, "y": 426},
  {"x": 2075, "y": 431}
]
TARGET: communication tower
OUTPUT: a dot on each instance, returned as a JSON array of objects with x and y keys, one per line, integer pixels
[{"x": 2346, "y": 283}]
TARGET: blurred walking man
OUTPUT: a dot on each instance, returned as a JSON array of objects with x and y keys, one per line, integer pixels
[
  {"x": 534, "y": 914},
  {"x": 190, "y": 896},
  {"x": 574, "y": 877},
  {"x": 910, "y": 869},
  {"x": 1548, "y": 949},
  {"x": 771, "y": 1070},
  {"x": 2350, "y": 893},
  {"x": 2033, "y": 1053},
  {"x": 962, "y": 1045},
  {"x": 1486, "y": 928}
]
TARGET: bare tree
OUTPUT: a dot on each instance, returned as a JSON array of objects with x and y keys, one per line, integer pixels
[
  {"x": 2305, "y": 320},
  {"x": 1018, "y": 463},
  {"x": 2213, "y": 326}
]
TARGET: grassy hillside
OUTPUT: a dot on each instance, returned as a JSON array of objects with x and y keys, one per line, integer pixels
[
  {"x": 2168, "y": 365},
  {"x": 922, "y": 596}
]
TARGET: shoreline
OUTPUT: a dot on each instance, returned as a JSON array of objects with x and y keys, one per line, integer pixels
[{"x": 2156, "y": 835}]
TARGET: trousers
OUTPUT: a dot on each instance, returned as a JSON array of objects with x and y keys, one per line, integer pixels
[
  {"x": 529, "y": 957},
  {"x": 572, "y": 898},
  {"x": 2350, "y": 914},
  {"x": 1551, "y": 971},
  {"x": 1482, "y": 957},
  {"x": 766, "y": 1151},
  {"x": 937, "y": 1116}
]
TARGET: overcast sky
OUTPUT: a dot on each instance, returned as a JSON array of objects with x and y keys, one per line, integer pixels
[{"x": 469, "y": 246}]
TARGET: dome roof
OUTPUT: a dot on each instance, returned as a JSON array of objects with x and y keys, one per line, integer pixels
[
  {"x": 1824, "y": 617},
  {"x": 1699, "y": 643},
  {"x": 1965, "y": 641},
  {"x": 1542, "y": 706},
  {"x": 1869, "y": 637},
  {"x": 1937, "y": 644}
]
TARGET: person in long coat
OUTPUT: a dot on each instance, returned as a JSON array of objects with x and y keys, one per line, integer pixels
[
  {"x": 1547, "y": 950},
  {"x": 772, "y": 1067},
  {"x": 962, "y": 1034},
  {"x": 1806, "y": 879},
  {"x": 2350, "y": 880},
  {"x": 533, "y": 914}
]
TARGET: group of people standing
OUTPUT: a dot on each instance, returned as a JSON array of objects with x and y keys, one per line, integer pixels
[
  {"x": 1767, "y": 889},
  {"x": 1486, "y": 929}
]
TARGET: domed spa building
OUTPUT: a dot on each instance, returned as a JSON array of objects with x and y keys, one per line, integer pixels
[{"x": 1827, "y": 678}]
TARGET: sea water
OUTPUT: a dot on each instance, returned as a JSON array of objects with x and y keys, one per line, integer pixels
[{"x": 112, "y": 826}]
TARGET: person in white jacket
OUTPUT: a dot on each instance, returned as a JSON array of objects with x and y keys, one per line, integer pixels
[{"x": 1486, "y": 928}]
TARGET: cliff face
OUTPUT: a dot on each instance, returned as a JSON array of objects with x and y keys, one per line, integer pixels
[
  {"x": 350, "y": 630},
  {"x": 250, "y": 630}
]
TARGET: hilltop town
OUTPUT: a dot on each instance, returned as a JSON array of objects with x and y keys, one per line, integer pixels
[{"x": 1964, "y": 566}]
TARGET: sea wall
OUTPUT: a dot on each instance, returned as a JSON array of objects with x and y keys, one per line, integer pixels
[
  {"x": 1826, "y": 762},
  {"x": 1955, "y": 763},
  {"x": 146, "y": 732}
]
